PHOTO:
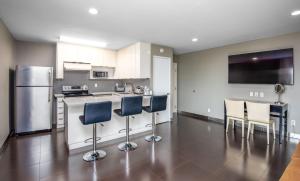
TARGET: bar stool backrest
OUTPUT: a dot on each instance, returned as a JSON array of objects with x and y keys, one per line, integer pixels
[
  {"x": 131, "y": 105},
  {"x": 259, "y": 112},
  {"x": 158, "y": 103},
  {"x": 97, "y": 112},
  {"x": 235, "y": 108}
]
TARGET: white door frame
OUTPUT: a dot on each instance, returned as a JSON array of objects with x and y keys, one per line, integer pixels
[{"x": 174, "y": 93}]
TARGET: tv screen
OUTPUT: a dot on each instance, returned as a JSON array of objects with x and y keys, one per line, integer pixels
[{"x": 269, "y": 67}]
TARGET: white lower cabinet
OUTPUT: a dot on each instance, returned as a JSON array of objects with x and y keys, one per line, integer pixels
[
  {"x": 79, "y": 135},
  {"x": 59, "y": 113}
]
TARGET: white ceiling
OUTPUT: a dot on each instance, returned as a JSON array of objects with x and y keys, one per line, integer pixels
[{"x": 167, "y": 22}]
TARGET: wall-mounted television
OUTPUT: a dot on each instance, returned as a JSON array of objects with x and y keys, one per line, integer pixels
[{"x": 268, "y": 67}]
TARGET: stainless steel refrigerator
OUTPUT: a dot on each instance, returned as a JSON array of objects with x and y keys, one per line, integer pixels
[{"x": 33, "y": 103}]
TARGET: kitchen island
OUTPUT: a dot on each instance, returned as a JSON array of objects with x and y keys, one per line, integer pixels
[{"x": 78, "y": 135}]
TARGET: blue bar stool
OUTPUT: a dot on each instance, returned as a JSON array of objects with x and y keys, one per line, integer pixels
[
  {"x": 95, "y": 113},
  {"x": 129, "y": 106},
  {"x": 157, "y": 103}
]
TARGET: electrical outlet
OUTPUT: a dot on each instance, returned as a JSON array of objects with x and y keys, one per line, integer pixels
[
  {"x": 251, "y": 94},
  {"x": 293, "y": 123},
  {"x": 261, "y": 94},
  {"x": 96, "y": 85},
  {"x": 208, "y": 110},
  {"x": 256, "y": 94}
]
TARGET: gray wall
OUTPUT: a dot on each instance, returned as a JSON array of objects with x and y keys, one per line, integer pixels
[
  {"x": 7, "y": 64},
  {"x": 206, "y": 73},
  {"x": 38, "y": 54}
]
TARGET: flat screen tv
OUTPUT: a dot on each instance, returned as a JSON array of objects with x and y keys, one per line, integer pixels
[{"x": 268, "y": 67}]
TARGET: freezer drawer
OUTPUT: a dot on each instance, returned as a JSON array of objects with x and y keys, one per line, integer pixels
[
  {"x": 34, "y": 76},
  {"x": 33, "y": 109}
]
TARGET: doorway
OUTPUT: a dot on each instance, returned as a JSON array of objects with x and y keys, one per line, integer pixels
[{"x": 162, "y": 84}]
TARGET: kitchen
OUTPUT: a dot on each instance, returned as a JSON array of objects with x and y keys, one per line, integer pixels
[{"x": 78, "y": 77}]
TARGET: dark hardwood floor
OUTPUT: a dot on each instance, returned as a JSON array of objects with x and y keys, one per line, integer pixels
[{"x": 191, "y": 149}]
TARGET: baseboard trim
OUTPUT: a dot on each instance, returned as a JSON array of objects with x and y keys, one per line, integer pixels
[
  {"x": 4, "y": 146},
  {"x": 294, "y": 135},
  {"x": 201, "y": 117}
]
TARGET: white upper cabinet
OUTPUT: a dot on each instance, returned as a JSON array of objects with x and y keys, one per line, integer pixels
[
  {"x": 134, "y": 61},
  {"x": 84, "y": 54},
  {"x": 109, "y": 58}
]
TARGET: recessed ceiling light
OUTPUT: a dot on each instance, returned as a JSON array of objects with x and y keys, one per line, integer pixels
[
  {"x": 93, "y": 11},
  {"x": 194, "y": 39},
  {"x": 79, "y": 41},
  {"x": 295, "y": 13}
]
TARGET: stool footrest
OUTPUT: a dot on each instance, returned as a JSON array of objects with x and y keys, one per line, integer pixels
[
  {"x": 148, "y": 125},
  {"x": 91, "y": 139},
  {"x": 122, "y": 130}
]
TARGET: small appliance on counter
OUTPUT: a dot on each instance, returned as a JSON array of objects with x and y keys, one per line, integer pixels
[
  {"x": 119, "y": 88},
  {"x": 147, "y": 91},
  {"x": 139, "y": 90},
  {"x": 75, "y": 91}
]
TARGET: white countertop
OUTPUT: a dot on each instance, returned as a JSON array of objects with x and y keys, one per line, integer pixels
[
  {"x": 59, "y": 95},
  {"x": 98, "y": 97}
]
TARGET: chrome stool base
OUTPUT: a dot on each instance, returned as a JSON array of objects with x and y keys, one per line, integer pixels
[
  {"x": 152, "y": 138},
  {"x": 127, "y": 146},
  {"x": 92, "y": 156}
]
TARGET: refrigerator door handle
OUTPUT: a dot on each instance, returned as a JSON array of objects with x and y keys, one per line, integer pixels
[
  {"x": 49, "y": 77},
  {"x": 49, "y": 94}
]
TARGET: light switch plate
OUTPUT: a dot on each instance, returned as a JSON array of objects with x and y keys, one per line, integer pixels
[
  {"x": 251, "y": 94},
  {"x": 261, "y": 94},
  {"x": 256, "y": 94},
  {"x": 293, "y": 122},
  {"x": 96, "y": 85}
]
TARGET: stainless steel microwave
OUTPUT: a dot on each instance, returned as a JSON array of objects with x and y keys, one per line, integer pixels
[{"x": 99, "y": 74}]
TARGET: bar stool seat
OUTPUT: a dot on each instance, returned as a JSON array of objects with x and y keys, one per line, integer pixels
[
  {"x": 157, "y": 103},
  {"x": 129, "y": 106},
  {"x": 95, "y": 113}
]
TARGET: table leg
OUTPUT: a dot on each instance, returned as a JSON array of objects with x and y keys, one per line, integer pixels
[
  {"x": 285, "y": 124},
  {"x": 280, "y": 127},
  {"x": 225, "y": 117}
]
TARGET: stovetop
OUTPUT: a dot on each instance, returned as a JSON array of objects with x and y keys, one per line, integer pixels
[
  {"x": 75, "y": 91},
  {"x": 76, "y": 94}
]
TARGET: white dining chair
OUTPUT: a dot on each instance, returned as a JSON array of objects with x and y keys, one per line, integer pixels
[
  {"x": 235, "y": 111},
  {"x": 259, "y": 114}
]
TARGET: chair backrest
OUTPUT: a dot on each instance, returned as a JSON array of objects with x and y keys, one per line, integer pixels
[
  {"x": 97, "y": 112},
  {"x": 258, "y": 112},
  {"x": 158, "y": 103},
  {"x": 235, "y": 108},
  {"x": 131, "y": 105}
]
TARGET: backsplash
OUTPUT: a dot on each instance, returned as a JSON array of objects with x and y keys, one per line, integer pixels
[{"x": 81, "y": 78}]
